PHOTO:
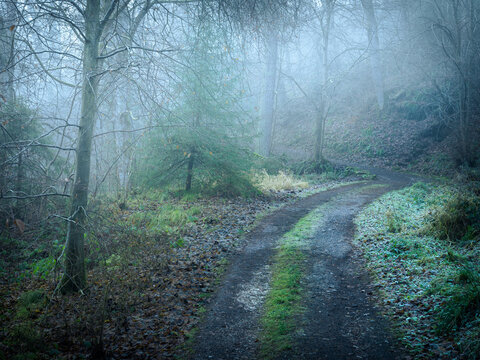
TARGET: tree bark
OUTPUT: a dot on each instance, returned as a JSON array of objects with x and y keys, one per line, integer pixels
[
  {"x": 7, "y": 31},
  {"x": 188, "y": 183},
  {"x": 19, "y": 186},
  {"x": 74, "y": 278},
  {"x": 269, "y": 98},
  {"x": 321, "y": 107}
]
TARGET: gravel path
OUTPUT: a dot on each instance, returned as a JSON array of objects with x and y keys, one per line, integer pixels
[{"x": 340, "y": 321}]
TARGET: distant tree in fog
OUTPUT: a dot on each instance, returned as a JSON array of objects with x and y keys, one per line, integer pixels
[
  {"x": 374, "y": 50},
  {"x": 455, "y": 25}
]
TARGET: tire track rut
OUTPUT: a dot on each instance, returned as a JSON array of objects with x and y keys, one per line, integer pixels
[{"x": 340, "y": 322}]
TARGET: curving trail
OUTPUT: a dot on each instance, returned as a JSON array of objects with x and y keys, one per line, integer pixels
[{"x": 340, "y": 322}]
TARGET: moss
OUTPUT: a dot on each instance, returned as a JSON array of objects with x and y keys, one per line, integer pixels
[{"x": 284, "y": 300}]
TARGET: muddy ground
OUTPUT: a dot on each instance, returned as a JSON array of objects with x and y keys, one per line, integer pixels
[{"x": 341, "y": 320}]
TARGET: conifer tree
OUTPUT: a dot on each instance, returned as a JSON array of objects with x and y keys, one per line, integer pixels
[{"x": 208, "y": 134}]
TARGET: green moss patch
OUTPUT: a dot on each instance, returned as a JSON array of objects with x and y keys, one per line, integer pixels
[{"x": 283, "y": 303}]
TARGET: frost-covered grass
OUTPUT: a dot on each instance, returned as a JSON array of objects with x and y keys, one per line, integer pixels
[{"x": 419, "y": 276}]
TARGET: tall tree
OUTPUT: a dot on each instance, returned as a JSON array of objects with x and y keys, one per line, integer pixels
[
  {"x": 74, "y": 277},
  {"x": 97, "y": 17},
  {"x": 268, "y": 108},
  {"x": 374, "y": 50},
  {"x": 457, "y": 33},
  {"x": 8, "y": 23},
  {"x": 324, "y": 15}
]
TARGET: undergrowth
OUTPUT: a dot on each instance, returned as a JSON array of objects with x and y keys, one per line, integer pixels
[
  {"x": 458, "y": 219},
  {"x": 281, "y": 181},
  {"x": 327, "y": 170},
  {"x": 421, "y": 246}
]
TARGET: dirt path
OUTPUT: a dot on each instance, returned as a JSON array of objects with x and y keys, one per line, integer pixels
[{"x": 340, "y": 322}]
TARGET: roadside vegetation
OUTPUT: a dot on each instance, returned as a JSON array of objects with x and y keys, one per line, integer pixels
[
  {"x": 422, "y": 246},
  {"x": 153, "y": 252}
]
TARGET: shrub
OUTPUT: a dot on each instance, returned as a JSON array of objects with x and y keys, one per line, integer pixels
[
  {"x": 458, "y": 219},
  {"x": 230, "y": 186},
  {"x": 281, "y": 181}
]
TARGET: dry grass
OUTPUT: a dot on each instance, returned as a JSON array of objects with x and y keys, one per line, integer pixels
[{"x": 281, "y": 181}]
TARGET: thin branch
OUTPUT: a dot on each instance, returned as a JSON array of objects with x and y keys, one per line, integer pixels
[
  {"x": 13, "y": 146},
  {"x": 126, "y": 48},
  {"x": 109, "y": 13},
  {"x": 127, "y": 131},
  {"x": 32, "y": 196},
  {"x": 45, "y": 69}
]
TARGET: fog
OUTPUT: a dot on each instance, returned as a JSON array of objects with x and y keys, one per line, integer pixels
[
  {"x": 134, "y": 133},
  {"x": 289, "y": 70}
]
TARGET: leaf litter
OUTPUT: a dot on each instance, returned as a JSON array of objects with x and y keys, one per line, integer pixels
[{"x": 147, "y": 293}]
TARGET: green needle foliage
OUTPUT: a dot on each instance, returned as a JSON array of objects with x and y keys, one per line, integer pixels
[{"x": 205, "y": 145}]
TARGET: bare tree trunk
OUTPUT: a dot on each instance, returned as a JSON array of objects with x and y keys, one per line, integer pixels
[
  {"x": 319, "y": 134},
  {"x": 375, "y": 57},
  {"x": 321, "y": 108},
  {"x": 19, "y": 186},
  {"x": 7, "y": 31},
  {"x": 469, "y": 78},
  {"x": 74, "y": 278},
  {"x": 269, "y": 99},
  {"x": 188, "y": 183}
]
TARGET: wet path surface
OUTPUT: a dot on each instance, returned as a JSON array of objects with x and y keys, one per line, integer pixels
[{"x": 339, "y": 322}]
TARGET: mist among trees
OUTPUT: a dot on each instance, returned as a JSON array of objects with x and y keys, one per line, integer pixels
[{"x": 141, "y": 141}]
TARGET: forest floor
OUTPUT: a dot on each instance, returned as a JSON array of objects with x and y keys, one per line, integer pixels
[
  {"x": 334, "y": 317},
  {"x": 148, "y": 285},
  {"x": 285, "y": 275}
]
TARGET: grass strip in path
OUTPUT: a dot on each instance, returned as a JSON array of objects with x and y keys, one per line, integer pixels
[{"x": 283, "y": 302}]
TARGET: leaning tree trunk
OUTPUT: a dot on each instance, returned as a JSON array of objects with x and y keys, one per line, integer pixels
[
  {"x": 375, "y": 57},
  {"x": 269, "y": 99},
  {"x": 74, "y": 278}
]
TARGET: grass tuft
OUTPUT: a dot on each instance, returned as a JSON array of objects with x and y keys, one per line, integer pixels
[
  {"x": 458, "y": 219},
  {"x": 281, "y": 181}
]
